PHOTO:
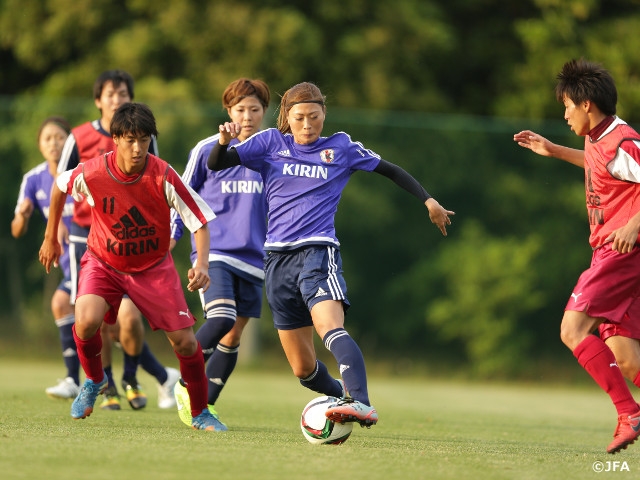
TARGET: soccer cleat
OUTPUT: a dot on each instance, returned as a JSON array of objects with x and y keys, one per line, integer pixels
[
  {"x": 184, "y": 408},
  {"x": 66, "y": 389},
  {"x": 135, "y": 396},
  {"x": 207, "y": 421},
  {"x": 111, "y": 399},
  {"x": 82, "y": 406},
  {"x": 220, "y": 426},
  {"x": 627, "y": 431},
  {"x": 166, "y": 397},
  {"x": 349, "y": 410},
  {"x": 181, "y": 396}
]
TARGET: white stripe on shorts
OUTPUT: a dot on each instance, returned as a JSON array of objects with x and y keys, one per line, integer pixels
[{"x": 332, "y": 277}]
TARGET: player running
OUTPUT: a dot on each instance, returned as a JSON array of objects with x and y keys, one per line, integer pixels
[
  {"x": 236, "y": 254},
  {"x": 34, "y": 196},
  {"x": 131, "y": 193},
  {"x": 111, "y": 89},
  {"x": 606, "y": 294}
]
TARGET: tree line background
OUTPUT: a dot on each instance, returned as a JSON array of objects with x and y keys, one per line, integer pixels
[{"x": 436, "y": 87}]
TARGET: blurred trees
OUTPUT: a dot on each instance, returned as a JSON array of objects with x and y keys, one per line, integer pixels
[{"x": 436, "y": 87}]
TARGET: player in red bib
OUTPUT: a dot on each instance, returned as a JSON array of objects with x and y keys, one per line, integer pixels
[
  {"x": 606, "y": 294},
  {"x": 111, "y": 89},
  {"x": 131, "y": 193}
]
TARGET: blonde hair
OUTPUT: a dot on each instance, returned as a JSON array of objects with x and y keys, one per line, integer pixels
[{"x": 305, "y": 92}]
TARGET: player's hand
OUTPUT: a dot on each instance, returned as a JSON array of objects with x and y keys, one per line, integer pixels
[
  {"x": 439, "y": 215},
  {"x": 198, "y": 278},
  {"x": 623, "y": 239},
  {"x": 534, "y": 142},
  {"x": 228, "y": 130},
  {"x": 49, "y": 254}
]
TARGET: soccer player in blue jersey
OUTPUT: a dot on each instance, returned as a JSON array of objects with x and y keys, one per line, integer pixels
[
  {"x": 34, "y": 195},
  {"x": 304, "y": 175},
  {"x": 236, "y": 255},
  {"x": 111, "y": 89}
]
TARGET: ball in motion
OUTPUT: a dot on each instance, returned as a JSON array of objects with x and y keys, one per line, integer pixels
[{"x": 317, "y": 428}]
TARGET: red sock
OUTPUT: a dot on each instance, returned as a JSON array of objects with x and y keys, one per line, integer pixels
[
  {"x": 89, "y": 355},
  {"x": 192, "y": 371},
  {"x": 598, "y": 360}
]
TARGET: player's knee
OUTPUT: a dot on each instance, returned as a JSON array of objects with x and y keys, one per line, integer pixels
[
  {"x": 60, "y": 306},
  {"x": 575, "y": 327},
  {"x": 185, "y": 345}
]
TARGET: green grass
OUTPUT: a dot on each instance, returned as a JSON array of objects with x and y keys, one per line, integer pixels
[{"x": 428, "y": 430}]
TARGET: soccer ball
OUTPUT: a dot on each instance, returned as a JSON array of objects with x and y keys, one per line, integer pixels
[{"x": 317, "y": 428}]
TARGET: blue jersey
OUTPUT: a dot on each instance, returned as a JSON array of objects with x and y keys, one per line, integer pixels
[
  {"x": 303, "y": 183},
  {"x": 36, "y": 186},
  {"x": 236, "y": 197}
]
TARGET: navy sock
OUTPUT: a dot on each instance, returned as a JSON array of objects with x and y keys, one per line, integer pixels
[
  {"x": 69, "y": 349},
  {"x": 219, "y": 368},
  {"x": 320, "y": 381},
  {"x": 109, "y": 373},
  {"x": 151, "y": 365},
  {"x": 220, "y": 319},
  {"x": 130, "y": 366},
  {"x": 350, "y": 362}
]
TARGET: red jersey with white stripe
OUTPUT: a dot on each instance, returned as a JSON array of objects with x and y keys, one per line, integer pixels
[
  {"x": 130, "y": 215},
  {"x": 612, "y": 179}
]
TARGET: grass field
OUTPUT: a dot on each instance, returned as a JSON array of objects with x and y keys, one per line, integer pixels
[{"x": 427, "y": 430}]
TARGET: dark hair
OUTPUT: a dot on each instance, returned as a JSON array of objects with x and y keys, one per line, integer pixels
[
  {"x": 246, "y": 87},
  {"x": 581, "y": 80},
  {"x": 305, "y": 92},
  {"x": 116, "y": 77},
  {"x": 133, "y": 118},
  {"x": 59, "y": 121}
]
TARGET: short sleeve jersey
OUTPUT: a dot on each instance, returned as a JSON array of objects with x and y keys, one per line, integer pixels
[
  {"x": 303, "y": 183},
  {"x": 612, "y": 180},
  {"x": 236, "y": 196},
  {"x": 36, "y": 186},
  {"x": 130, "y": 229}
]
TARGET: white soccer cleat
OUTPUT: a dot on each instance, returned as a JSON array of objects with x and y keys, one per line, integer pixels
[
  {"x": 349, "y": 410},
  {"x": 165, "y": 391},
  {"x": 66, "y": 389}
]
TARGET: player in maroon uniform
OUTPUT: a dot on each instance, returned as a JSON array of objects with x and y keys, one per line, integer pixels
[
  {"x": 111, "y": 89},
  {"x": 606, "y": 294},
  {"x": 131, "y": 193}
]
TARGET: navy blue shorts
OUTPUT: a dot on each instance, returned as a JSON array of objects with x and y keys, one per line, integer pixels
[
  {"x": 77, "y": 248},
  {"x": 227, "y": 283},
  {"x": 296, "y": 281},
  {"x": 65, "y": 285}
]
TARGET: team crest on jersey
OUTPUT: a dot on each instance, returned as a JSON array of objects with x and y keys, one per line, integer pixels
[{"x": 327, "y": 155}]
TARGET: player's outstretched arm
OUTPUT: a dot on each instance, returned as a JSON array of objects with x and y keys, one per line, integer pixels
[
  {"x": 51, "y": 249},
  {"x": 540, "y": 145}
]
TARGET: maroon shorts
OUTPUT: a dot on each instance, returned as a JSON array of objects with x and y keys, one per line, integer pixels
[
  {"x": 157, "y": 292},
  {"x": 610, "y": 289}
]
